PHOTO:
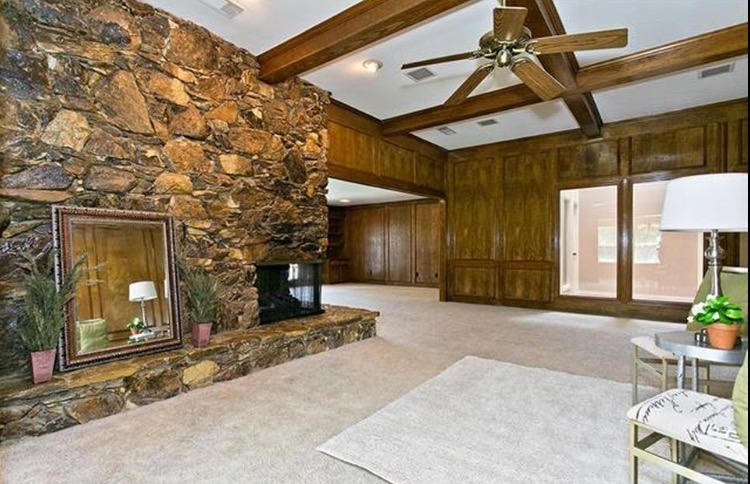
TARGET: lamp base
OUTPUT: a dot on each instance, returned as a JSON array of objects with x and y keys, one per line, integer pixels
[{"x": 715, "y": 256}]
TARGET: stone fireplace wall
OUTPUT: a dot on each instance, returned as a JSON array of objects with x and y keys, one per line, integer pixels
[{"x": 112, "y": 103}]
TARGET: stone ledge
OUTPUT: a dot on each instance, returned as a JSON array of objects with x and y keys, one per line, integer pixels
[{"x": 95, "y": 392}]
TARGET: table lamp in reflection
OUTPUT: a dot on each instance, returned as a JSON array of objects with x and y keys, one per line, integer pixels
[
  {"x": 707, "y": 203},
  {"x": 141, "y": 292}
]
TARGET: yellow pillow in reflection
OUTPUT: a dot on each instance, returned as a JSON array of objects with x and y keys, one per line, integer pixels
[{"x": 92, "y": 335}]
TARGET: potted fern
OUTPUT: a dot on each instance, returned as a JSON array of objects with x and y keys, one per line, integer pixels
[
  {"x": 723, "y": 321},
  {"x": 202, "y": 291},
  {"x": 44, "y": 311}
]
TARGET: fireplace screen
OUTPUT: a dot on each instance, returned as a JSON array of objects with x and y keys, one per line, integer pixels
[{"x": 288, "y": 291}]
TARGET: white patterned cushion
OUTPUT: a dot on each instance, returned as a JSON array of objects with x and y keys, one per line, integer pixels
[
  {"x": 648, "y": 343},
  {"x": 698, "y": 419}
]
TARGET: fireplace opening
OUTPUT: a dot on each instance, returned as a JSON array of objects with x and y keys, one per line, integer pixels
[{"x": 288, "y": 290}]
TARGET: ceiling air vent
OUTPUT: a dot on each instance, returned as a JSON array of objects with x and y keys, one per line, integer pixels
[
  {"x": 227, "y": 7},
  {"x": 716, "y": 71},
  {"x": 447, "y": 131},
  {"x": 487, "y": 122},
  {"x": 420, "y": 74}
]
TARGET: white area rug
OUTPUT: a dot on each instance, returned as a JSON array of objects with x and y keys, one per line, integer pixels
[{"x": 484, "y": 421}]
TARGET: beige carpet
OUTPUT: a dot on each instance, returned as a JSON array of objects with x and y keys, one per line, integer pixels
[
  {"x": 264, "y": 428},
  {"x": 483, "y": 421}
]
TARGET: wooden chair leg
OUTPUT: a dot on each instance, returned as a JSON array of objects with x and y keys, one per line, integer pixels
[
  {"x": 708, "y": 378},
  {"x": 664, "y": 375}
]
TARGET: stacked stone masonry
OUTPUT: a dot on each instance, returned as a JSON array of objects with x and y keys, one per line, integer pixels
[{"x": 112, "y": 103}]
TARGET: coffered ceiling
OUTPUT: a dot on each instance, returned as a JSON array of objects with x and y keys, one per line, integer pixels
[{"x": 389, "y": 93}]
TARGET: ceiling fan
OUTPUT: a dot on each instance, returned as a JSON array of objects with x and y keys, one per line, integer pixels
[{"x": 510, "y": 44}]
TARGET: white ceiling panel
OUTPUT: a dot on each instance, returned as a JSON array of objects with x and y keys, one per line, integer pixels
[
  {"x": 673, "y": 92},
  {"x": 651, "y": 22},
  {"x": 389, "y": 92},
  {"x": 549, "y": 117},
  {"x": 263, "y": 24},
  {"x": 344, "y": 194}
]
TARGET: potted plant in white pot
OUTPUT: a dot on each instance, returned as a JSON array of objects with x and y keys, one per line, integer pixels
[
  {"x": 722, "y": 319},
  {"x": 44, "y": 311},
  {"x": 202, "y": 291}
]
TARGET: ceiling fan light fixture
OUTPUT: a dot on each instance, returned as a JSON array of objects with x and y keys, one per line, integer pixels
[{"x": 372, "y": 65}]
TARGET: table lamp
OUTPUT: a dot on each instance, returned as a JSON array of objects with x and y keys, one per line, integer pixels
[
  {"x": 141, "y": 292},
  {"x": 707, "y": 203}
]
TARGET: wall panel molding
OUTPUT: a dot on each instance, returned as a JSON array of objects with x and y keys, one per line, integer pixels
[{"x": 503, "y": 203}]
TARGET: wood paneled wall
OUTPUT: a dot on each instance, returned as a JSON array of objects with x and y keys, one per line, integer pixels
[
  {"x": 397, "y": 243},
  {"x": 359, "y": 153},
  {"x": 503, "y": 209}
]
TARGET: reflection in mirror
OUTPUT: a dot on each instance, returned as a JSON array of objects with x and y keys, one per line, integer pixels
[
  {"x": 127, "y": 303},
  {"x": 126, "y": 299}
]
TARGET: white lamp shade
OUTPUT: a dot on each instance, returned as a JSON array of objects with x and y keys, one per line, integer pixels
[
  {"x": 142, "y": 291},
  {"x": 704, "y": 203}
]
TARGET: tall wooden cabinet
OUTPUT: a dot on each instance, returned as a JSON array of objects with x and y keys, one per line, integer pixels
[{"x": 396, "y": 243}]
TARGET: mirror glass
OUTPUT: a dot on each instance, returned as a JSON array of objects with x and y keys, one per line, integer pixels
[{"x": 124, "y": 303}]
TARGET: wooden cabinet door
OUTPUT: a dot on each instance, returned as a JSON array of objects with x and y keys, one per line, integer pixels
[
  {"x": 374, "y": 244},
  {"x": 428, "y": 234},
  {"x": 354, "y": 245},
  {"x": 400, "y": 263}
]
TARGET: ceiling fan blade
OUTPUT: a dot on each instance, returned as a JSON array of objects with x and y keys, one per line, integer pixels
[
  {"x": 536, "y": 78},
  {"x": 508, "y": 24},
  {"x": 471, "y": 83},
  {"x": 605, "y": 39},
  {"x": 440, "y": 60}
]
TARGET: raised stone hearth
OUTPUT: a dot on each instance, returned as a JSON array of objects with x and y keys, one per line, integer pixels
[{"x": 84, "y": 395}]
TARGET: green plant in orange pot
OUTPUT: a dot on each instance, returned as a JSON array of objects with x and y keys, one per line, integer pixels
[{"x": 722, "y": 318}]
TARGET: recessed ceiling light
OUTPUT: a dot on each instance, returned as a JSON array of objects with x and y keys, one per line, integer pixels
[
  {"x": 420, "y": 74},
  {"x": 372, "y": 65},
  {"x": 227, "y": 7},
  {"x": 344, "y": 200},
  {"x": 447, "y": 131},
  {"x": 715, "y": 71}
]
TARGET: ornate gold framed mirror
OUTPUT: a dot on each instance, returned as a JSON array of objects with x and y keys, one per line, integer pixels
[{"x": 128, "y": 301}]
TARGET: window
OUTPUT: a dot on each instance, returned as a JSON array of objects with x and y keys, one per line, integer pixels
[
  {"x": 588, "y": 242},
  {"x": 667, "y": 266},
  {"x": 607, "y": 243}
]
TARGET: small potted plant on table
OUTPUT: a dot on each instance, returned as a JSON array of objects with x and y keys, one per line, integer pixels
[
  {"x": 723, "y": 321},
  {"x": 44, "y": 311},
  {"x": 136, "y": 326},
  {"x": 202, "y": 292}
]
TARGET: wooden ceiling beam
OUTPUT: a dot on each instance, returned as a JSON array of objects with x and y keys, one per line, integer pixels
[
  {"x": 492, "y": 102},
  {"x": 544, "y": 21},
  {"x": 358, "y": 26},
  {"x": 666, "y": 59},
  {"x": 684, "y": 54}
]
